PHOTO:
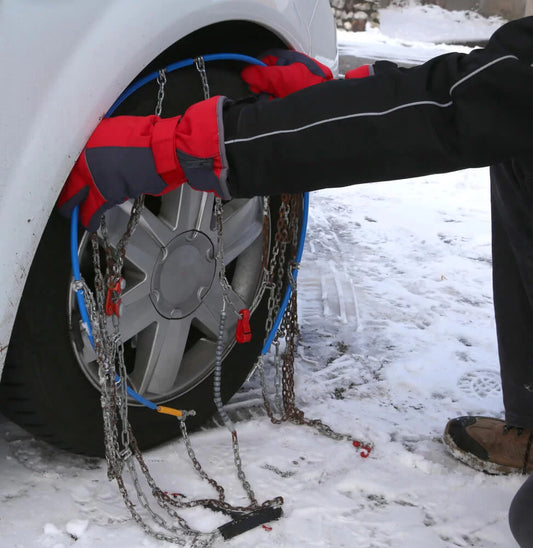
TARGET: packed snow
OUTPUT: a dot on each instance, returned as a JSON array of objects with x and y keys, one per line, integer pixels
[{"x": 397, "y": 336}]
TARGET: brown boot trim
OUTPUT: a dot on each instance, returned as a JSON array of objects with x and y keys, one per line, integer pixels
[{"x": 526, "y": 455}]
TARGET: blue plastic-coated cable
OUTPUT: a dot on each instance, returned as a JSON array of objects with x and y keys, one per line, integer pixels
[
  {"x": 77, "y": 275},
  {"x": 81, "y": 300},
  {"x": 181, "y": 64},
  {"x": 288, "y": 292},
  {"x": 74, "y": 219}
]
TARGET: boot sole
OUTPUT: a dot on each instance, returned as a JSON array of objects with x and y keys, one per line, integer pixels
[{"x": 488, "y": 467}]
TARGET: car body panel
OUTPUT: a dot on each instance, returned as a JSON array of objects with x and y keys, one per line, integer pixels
[{"x": 64, "y": 63}]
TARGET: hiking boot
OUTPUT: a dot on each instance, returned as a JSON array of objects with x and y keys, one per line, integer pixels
[{"x": 490, "y": 445}]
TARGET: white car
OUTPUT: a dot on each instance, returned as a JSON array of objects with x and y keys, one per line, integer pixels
[{"x": 64, "y": 64}]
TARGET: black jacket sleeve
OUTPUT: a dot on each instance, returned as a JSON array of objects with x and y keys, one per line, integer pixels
[{"x": 453, "y": 112}]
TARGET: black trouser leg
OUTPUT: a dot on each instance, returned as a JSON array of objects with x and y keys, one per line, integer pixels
[{"x": 512, "y": 250}]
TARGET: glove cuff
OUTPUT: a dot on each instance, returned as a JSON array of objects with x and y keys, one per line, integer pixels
[
  {"x": 163, "y": 147},
  {"x": 200, "y": 147}
]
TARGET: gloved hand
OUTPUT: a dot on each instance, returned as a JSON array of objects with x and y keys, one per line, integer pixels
[
  {"x": 287, "y": 71},
  {"x": 360, "y": 72},
  {"x": 128, "y": 156},
  {"x": 379, "y": 67}
]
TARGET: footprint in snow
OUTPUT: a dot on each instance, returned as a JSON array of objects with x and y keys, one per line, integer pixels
[{"x": 481, "y": 383}]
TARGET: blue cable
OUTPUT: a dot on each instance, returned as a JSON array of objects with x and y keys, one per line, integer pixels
[
  {"x": 74, "y": 219},
  {"x": 81, "y": 301},
  {"x": 181, "y": 64},
  {"x": 288, "y": 292},
  {"x": 77, "y": 274}
]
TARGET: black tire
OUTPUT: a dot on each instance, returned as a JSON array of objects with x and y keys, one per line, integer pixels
[{"x": 43, "y": 387}]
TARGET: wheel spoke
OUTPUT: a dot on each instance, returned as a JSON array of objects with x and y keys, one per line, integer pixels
[
  {"x": 136, "y": 292},
  {"x": 137, "y": 315},
  {"x": 160, "y": 350},
  {"x": 243, "y": 224},
  {"x": 207, "y": 319},
  {"x": 144, "y": 244},
  {"x": 155, "y": 228},
  {"x": 208, "y": 314},
  {"x": 88, "y": 355},
  {"x": 186, "y": 209},
  {"x": 237, "y": 304}
]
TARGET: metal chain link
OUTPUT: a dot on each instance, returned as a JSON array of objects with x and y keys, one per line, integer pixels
[
  {"x": 200, "y": 67},
  {"x": 287, "y": 235},
  {"x": 161, "y": 81},
  {"x": 120, "y": 444},
  {"x": 121, "y": 449}
]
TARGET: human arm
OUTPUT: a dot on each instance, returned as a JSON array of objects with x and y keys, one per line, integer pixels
[{"x": 453, "y": 112}]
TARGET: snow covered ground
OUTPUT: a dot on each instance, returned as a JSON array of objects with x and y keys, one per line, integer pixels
[
  {"x": 416, "y": 33},
  {"x": 397, "y": 337}
]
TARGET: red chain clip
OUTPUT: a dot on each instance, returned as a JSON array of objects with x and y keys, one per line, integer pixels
[
  {"x": 175, "y": 495},
  {"x": 243, "y": 333},
  {"x": 365, "y": 449},
  {"x": 112, "y": 304}
]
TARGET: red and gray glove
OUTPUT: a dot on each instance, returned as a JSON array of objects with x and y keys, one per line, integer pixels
[
  {"x": 287, "y": 71},
  {"x": 128, "y": 156},
  {"x": 360, "y": 72},
  {"x": 379, "y": 67}
]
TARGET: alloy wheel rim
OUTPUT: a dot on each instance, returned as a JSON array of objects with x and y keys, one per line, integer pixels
[{"x": 172, "y": 300}]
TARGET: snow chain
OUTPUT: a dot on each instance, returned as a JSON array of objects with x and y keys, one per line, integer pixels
[
  {"x": 286, "y": 242},
  {"x": 121, "y": 449}
]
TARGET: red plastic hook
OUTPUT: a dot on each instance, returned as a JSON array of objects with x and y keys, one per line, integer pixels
[
  {"x": 112, "y": 304},
  {"x": 244, "y": 332}
]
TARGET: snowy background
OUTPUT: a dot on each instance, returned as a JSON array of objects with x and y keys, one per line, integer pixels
[{"x": 397, "y": 337}]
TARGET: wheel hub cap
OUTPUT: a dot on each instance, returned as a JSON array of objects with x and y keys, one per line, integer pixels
[{"x": 183, "y": 274}]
